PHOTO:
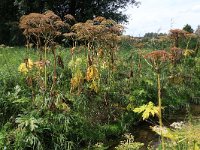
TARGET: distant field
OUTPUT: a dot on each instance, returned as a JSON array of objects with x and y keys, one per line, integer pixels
[{"x": 12, "y": 57}]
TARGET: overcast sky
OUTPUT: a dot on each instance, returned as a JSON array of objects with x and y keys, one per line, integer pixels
[{"x": 161, "y": 15}]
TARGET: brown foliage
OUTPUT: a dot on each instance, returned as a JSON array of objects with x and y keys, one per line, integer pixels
[
  {"x": 158, "y": 55},
  {"x": 42, "y": 25},
  {"x": 158, "y": 58},
  {"x": 98, "y": 29},
  {"x": 175, "y": 34}
]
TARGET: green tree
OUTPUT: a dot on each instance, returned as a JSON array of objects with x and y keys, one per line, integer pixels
[
  {"x": 188, "y": 28},
  {"x": 9, "y": 32},
  {"x": 8, "y": 11},
  {"x": 81, "y": 9}
]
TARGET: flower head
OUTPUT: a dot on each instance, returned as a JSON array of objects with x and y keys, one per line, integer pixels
[
  {"x": 159, "y": 55},
  {"x": 157, "y": 58}
]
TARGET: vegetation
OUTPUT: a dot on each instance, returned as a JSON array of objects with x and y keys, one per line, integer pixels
[
  {"x": 12, "y": 10},
  {"x": 82, "y": 10},
  {"x": 89, "y": 95},
  {"x": 188, "y": 28}
]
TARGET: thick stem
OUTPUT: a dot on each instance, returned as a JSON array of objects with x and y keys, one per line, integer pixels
[
  {"x": 55, "y": 60},
  {"x": 45, "y": 67},
  {"x": 159, "y": 100},
  {"x": 27, "y": 46},
  {"x": 160, "y": 109},
  {"x": 89, "y": 56}
]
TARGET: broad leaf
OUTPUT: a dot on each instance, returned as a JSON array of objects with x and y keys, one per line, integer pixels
[{"x": 147, "y": 110}]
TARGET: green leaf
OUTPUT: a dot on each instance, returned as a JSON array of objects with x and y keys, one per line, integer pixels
[
  {"x": 21, "y": 100},
  {"x": 28, "y": 122},
  {"x": 33, "y": 124}
]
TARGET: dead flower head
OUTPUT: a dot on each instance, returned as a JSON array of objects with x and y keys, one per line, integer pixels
[{"x": 158, "y": 58}]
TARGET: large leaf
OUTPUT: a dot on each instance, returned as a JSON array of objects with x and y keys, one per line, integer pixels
[{"x": 147, "y": 110}]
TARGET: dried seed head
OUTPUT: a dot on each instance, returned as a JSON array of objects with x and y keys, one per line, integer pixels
[
  {"x": 158, "y": 59},
  {"x": 158, "y": 55},
  {"x": 37, "y": 24}
]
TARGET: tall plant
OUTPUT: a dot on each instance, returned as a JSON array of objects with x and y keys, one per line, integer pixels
[
  {"x": 42, "y": 29},
  {"x": 158, "y": 60},
  {"x": 101, "y": 37}
]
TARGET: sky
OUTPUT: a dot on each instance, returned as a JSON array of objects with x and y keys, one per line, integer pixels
[{"x": 161, "y": 15}]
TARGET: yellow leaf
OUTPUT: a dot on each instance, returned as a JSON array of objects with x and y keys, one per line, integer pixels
[
  {"x": 140, "y": 109},
  {"x": 196, "y": 147},
  {"x": 146, "y": 114},
  {"x": 30, "y": 64},
  {"x": 94, "y": 86},
  {"x": 77, "y": 79},
  {"x": 92, "y": 73},
  {"x": 188, "y": 52},
  {"x": 147, "y": 110},
  {"x": 22, "y": 68}
]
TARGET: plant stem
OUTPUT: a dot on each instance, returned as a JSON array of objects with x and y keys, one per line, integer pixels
[
  {"x": 159, "y": 100},
  {"x": 45, "y": 67},
  {"x": 54, "y": 74},
  {"x": 160, "y": 109}
]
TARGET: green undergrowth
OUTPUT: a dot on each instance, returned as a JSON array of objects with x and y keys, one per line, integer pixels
[{"x": 86, "y": 119}]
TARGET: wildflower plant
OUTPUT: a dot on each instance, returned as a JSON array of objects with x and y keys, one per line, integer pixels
[
  {"x": 129, "y": 143},
  {"x": 42, "y": 28},
  {"x": 158, "y": 59},
  {"x": 98, "y": 34},
  {"x": 100, "y": 37},
  {"x": 77, "y": 74}
]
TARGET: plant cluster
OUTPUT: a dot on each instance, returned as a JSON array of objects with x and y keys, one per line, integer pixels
[
  {"x": 129, "y": 143},
  {"x": 89, "y": 95}
]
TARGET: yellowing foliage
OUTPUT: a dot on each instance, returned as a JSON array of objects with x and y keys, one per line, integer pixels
[
  {"x": 188, "y": 52},
  {"x": 25, "y": 67},
  {"x": 22, "y": 68},
  {"x": 147, "y": 110},
  {"x": 94, "y": 86},
  {"x": 62, "y": 106},
  {"x": 76, "y": 80},
  {"x": 92, "y": 73},
  {"x": 29, "y": 64}
]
